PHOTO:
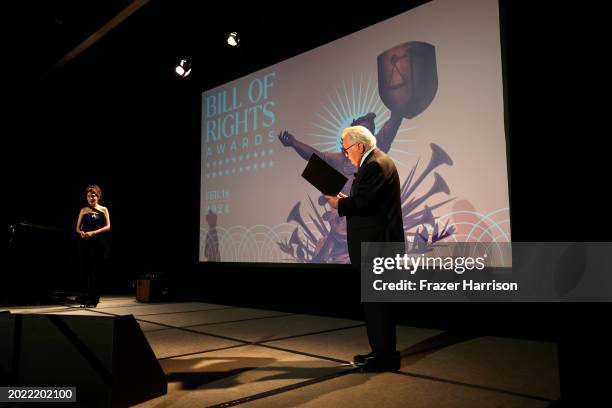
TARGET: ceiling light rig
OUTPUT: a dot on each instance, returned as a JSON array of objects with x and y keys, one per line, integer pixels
[
  {"x": 233, "y": 39},
  {"x": 183, "y": 68}
]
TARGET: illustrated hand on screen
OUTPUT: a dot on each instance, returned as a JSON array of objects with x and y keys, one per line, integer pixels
[{"x": 286, "y": 138}]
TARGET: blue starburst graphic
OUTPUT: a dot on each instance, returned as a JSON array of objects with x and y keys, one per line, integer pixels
[{"x": 349, "y": 101}]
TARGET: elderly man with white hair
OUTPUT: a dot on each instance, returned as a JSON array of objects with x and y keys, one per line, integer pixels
[{"x": 373, "y": 212}]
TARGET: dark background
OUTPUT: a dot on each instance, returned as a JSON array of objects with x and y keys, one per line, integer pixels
[{"x": 117, "y": 116}]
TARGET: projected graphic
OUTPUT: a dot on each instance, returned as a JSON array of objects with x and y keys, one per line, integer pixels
[{"x": 433, "y": 101}]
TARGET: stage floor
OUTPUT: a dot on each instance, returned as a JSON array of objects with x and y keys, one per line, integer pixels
[{"x": 216, "y": 355}]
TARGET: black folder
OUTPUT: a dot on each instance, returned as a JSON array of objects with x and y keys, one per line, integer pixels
[{"x": 324, "y": 177}]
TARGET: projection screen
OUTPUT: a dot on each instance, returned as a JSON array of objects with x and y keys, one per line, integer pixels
[{"x": 429, "y": 84}]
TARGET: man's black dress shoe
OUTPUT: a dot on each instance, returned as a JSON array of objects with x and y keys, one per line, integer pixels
[
  {"x": 88, "y": 300},
  {"x": 381, "y": 363},
  {"x": 361, "y": 358}
]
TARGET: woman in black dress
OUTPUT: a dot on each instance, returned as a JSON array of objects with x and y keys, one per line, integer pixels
[{"x": 92, "y": 226}]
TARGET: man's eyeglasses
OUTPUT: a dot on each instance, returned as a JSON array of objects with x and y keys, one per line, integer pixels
[{"x": 346, "y": 150}]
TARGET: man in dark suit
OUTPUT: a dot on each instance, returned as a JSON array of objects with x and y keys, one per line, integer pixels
[{"x": 373, "y": 213}]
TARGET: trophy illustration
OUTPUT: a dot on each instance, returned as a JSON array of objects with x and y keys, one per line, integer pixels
[
  {"x": 408, "y": 77},
  {"x": 407, "y": 84}
]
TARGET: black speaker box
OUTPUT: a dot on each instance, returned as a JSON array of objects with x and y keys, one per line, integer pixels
[{"x": 107, "y": 359}]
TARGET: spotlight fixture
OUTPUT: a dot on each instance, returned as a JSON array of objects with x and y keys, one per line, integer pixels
[
  {"x": 233, "y": 39},
  {"x": 183, "y": 68}
]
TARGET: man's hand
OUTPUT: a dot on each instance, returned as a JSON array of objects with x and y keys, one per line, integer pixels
[
  {"x": 286, "y": 138},
  {"x": 333, "y": 200}
]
